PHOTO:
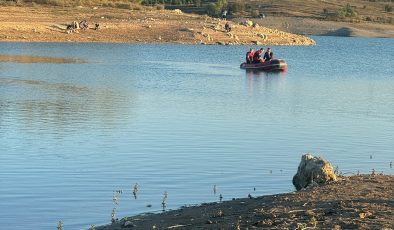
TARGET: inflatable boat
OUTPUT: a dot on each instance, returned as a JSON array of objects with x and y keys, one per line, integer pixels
[{"x": 273, "y": 65}]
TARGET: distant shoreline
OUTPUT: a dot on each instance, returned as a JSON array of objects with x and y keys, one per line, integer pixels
[
  {"x": 48, "y": 24},
  {"x": 356, "y": 202},
  {"x": 308, "y": 26}
]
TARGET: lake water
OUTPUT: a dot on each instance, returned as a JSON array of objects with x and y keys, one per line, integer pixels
[{"x": 180, "y": 119}]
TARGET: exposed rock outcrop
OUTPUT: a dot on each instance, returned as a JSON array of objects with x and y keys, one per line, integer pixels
[{"x": 313, "y": 170}]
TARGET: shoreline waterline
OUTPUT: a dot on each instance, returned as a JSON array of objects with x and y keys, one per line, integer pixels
[{"x": 352, "y": 198}]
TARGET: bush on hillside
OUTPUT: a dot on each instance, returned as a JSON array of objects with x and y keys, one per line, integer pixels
[
  {"x": 214, "y": 9},
  {"x": 347, "y": 11},
  {"x": 125, "y": 4},
  {"x": 237, "y": 6},
  {"x": 255, "y": 13},
  {"x": 160, "y": 7},
  {"x": 388, "y": 8}
]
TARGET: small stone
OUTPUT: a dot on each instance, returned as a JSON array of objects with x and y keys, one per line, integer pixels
[
  {"x": 178, "y": 11},
  {"x": 364, "y": 215},
  {"x": 128, "y": 224},
  {"x": 187, "y": 29},
  {"x": 263, "y": 36}
]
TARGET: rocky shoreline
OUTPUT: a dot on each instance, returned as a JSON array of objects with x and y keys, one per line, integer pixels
[
  {"x": 323, "y": 201},
  {"x": 354, "y": 202},
  {"x": 48, "y": 24}
]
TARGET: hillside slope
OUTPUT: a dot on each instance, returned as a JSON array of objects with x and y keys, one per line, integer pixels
[
  {"x": 370, "y": 18},
  {"x": 366, "y": 10}
]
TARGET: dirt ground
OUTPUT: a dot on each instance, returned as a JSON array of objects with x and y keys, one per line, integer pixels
[
  {"x": 48, "y": 24},
  {"x": 308, "y": 26},
  {"x": 355, "y": 202}
]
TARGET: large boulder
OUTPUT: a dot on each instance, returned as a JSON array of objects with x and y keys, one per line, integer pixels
[{"x": 313, "y": 170}]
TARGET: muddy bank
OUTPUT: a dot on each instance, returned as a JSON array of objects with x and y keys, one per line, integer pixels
[
  {"x": 48, "y": 24},
  {"x": 355, "y": 202}
]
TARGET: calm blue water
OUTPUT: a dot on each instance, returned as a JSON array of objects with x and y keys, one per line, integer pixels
[{"x": 181, "y": 119}]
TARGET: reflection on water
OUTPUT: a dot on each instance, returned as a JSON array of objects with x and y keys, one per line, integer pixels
[
  {"x": 258, "y": 81},
  {"x": 58, "y": 106},
  {"x": 37, "y": 59},
  {"x": 42, "y": 85}
]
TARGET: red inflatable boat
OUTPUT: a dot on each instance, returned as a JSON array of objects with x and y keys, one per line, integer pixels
[{"x": 273, "y": 65}]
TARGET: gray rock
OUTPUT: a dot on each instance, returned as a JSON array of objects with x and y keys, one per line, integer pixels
[
  {"x": 263, "y": 36},
  {"x": 186, "y": 29},
  {"x": 128, "y": 224},
  {"x": 313, "y": 170}
]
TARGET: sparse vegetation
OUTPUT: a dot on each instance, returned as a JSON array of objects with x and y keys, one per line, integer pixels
[
  {"x": 255, "y": 13},
  {"x": 60, "y": 225},
  {"x": 237, "y": 6},
  {"x": 160, "y": 7},
  {"x": 135, "y": 190},
  {"x": 214, "y": 9},
  {"x": 113, "y": 215},
  {"x": 122, "y": 4},
  {"x": 347, "y": 11},
  {"x": 164, "y": 201},
  {"x": 388, "y": 8},
  {"x": 317, "y": 207}
]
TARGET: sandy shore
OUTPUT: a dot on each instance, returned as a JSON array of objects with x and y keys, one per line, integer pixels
[
  {"x": 48, "y": 24},
  {"x": 356, "y": 202}
]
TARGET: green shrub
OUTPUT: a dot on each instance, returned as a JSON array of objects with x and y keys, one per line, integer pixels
[
  {"x": 237, "y": 6},
  {"x": 388, "y": 8},
  {"x": 123, "y": 5},
  {"x": 347, "y": 11},
  {"x": 212, "y": 9},
  {"x": 136, "y": 7},
  {"x": 7, "y": 3},
  {"x": 255, "y": 13},
  {"x": 160, "y": 7}
]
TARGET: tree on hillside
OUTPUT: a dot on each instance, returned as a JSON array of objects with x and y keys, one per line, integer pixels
[
  {"x": 237, "y": 6},
  {"x": 214, "y": 9},
  {"x": 347, "y": 11}
]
